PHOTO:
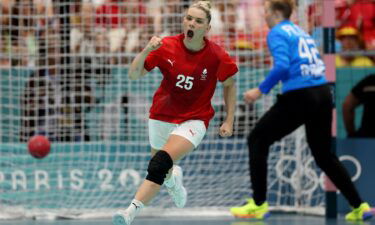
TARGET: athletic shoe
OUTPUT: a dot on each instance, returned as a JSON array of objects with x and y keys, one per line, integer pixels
[
  {"x": 363, "y": 212},
  {"x": 122, "y": 217},
  {"x": 251, "y": 210},
  {"x": 178, "y": 192}
]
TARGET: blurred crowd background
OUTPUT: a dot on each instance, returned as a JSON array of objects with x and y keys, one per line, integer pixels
[
  {"x": 72, "y": 46},
  {"x": 110, "y": 30}
]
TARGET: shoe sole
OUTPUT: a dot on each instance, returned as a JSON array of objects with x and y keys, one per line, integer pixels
[
  {"x": 367, "y": 215},
  {"x": 118, "y": 219},
  {"x": 185, "y": 193},
  {"x": 252, "y": 216},
  {"x": 183, "y": 189}
]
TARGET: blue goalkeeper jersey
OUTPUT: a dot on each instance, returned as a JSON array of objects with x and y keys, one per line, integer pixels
[{"x": 297, "y": 62}]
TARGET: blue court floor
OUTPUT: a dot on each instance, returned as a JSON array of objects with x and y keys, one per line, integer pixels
[{"x": 282, "y": 219}]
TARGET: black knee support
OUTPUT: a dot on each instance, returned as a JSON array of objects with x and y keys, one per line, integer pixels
[{"x": 159, "y": 167}]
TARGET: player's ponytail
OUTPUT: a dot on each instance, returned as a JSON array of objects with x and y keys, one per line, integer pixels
[{"x": 204, "y": 5}]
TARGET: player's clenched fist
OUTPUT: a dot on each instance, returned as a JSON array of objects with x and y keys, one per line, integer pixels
[
  {"x": 250, "y": 96},
  {"x": 153, "y": 44}
]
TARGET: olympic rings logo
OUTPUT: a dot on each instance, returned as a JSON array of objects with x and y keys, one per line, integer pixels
[{"x": 306, "y": 179}]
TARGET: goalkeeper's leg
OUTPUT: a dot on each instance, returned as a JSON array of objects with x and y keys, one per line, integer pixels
[
  {"x": 318, "y": 132},
  {"x": 276, "y": 123}
]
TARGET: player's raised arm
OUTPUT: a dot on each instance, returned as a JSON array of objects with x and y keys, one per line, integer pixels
[
  {"x": 137, "y": 69},
  {"x": 229, "y": 93}
]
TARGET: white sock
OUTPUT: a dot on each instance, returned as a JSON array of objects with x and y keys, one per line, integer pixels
[{"x": 135, "y": 206}]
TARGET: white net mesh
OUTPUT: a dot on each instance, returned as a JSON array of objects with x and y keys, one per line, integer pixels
[{"x": 64, "y": 75}]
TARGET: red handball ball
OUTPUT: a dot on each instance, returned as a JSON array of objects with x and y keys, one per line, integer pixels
[{"x": 39, "y": 146}]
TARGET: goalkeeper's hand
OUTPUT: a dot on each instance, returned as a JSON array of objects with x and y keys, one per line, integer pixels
[{"x": 252, "y": 95}]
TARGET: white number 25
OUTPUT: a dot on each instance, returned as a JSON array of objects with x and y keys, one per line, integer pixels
[{"x": 184, "y": 82}]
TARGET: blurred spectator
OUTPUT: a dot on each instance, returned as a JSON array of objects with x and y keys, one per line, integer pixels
[
  {"x": 4, "y": 52},
  {"x": 361, "y": 15},
  {"x": 362, "y": 94},
  {"x": 315, "y": 16},
  {"x": 53, "y": 104},
  {"x": 137, "y": 31},
  {"x": 351, "y": 42},
  {"x": 248, "y": 14},
  {"x": 342, "y": 10},
  {"x": 153, "y": 7},
  {"x": 253, "y": 11},
  {"x": 125, "y": 25},
  {"x": 82, "y": 35},
  {"x": 233, "y": 27},
  {"x": 40, "y": 105},
  {"x": 45, "y": 8},
  {"x": 315, "y": 22},
  {"x": 90, "y": 46},
  {"x": 27, "y": 35},
  {"x": 168, "y": 16},
  {"x": 17, "y": 30},
  {"x": 76, "y": 102},
  {"x": 108, "y": 16},
  {"x": 228, "y": 17},
  {"x": 229, "y": 21},
  {"x": 5, "y": 14}
]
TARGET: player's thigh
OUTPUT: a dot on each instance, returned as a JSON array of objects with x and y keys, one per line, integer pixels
[
  {"x": 158, "y": 133},
  {"x": 186, "y": 137},
  {"x": 177, "y": 147},
  {"x": 280, "y": 120},
  {"x": 319, "y": 128}
]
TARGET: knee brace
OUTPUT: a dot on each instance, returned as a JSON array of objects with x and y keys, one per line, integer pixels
[{"x": 159, "y": 167}]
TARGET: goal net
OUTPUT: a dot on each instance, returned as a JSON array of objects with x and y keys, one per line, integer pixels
[{"x": 64, "y": 75}]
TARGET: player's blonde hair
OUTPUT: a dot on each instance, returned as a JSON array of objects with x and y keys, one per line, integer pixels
[
  {"x": 286, "y": 7},
  {"x": 205, "y": 6}
]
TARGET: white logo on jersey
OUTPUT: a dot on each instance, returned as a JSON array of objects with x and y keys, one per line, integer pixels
[
  {"x": 204, "y": 74},
  {"x": 170, "y": 61}
]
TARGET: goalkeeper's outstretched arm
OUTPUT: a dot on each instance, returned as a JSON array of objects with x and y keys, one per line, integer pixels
[{"x": 137, "y": 68}]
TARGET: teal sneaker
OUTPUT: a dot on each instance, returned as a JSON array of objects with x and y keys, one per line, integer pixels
[
  {"x": 123, "y": 217},
  {"x": 178, "y": 191},
  {"x": 251, "y": 210}
]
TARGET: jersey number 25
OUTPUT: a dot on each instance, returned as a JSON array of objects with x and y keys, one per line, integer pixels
[{"x": 184, "y": 82}]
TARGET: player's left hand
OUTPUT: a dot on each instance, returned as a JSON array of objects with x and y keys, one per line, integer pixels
[{"x": 226, "y": 129}]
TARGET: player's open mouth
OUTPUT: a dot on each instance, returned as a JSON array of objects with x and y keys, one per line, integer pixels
[{"x": 190, "y": 33}]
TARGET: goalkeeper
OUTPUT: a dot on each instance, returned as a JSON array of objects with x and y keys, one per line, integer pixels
[
  {"x": 306, "y": 100},
  {"x": 181, "y": 110}
]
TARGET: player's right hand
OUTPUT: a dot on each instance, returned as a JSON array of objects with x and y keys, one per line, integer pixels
[
  {"x": 153, "y": 44},
  {"x": 250, "y": 96}
]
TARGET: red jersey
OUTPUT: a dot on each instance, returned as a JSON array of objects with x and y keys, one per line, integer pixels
[{"x": 189, "y": 79}]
